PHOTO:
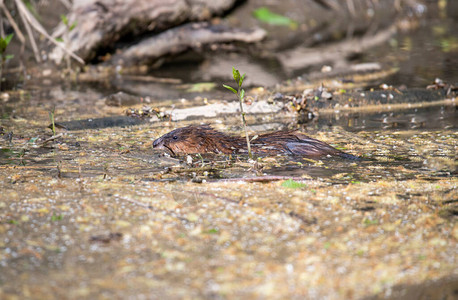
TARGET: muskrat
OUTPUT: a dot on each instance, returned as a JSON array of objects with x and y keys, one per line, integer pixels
[{"x": 204, "y": 139}]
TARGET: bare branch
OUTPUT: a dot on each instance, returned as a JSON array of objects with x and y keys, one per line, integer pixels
[
  {"x": 37, "y": 26},
  {"x": 12, "y": 22},
  {"x": 23, "y": 13}
]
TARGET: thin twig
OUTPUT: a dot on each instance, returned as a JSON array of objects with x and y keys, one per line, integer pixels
[
  {"x": 152, "y": 79},
  {"x": 12, "y": 22},
  {"x": 52, "y": 138},
  {"x": 351, "y": 7},
  {"x": 37, "y": 26},
  {"x": 22, "y": 14}
]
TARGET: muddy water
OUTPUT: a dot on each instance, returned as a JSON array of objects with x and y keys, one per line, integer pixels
[{"x": 97, "y": 213}]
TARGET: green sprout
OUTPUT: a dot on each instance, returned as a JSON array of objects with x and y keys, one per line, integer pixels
[
  {"x": 55, "y": 218},
  {"x": 4, "y": 42},
  {"x": 240, "y": 93}
]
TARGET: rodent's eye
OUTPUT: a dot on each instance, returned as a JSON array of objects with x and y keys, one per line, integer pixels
[{"x": 175, "y": 137}]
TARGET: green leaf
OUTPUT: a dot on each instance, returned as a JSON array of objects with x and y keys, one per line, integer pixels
[
  {"x": 263, "y": 14},
  {"x": 212, "y": 231},
  {"x": 230, "y": 88},
  {"x": 61, "y": 40},
  {"x": 64, "y": 19},
  {"x": 242, "y": 94},
  {"x": 236, "y": 75},
  {"x": 241, "y": 79},
  {"x": 8, "y": 38},
  {"x": 292, "y": 184},
  {"x": 4, "y": 42},
  {"x": 72, "y": 26},
  {"x": 9, "y": 56},
  {"x": 56, "y": 218},
  {"x": 369, "y": 222}
]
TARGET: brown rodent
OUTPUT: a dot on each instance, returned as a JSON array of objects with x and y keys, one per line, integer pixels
[{"x": 204, "y": 139}]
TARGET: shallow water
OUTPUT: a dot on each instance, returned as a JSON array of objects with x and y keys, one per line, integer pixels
[{"x": 98, "y": 213}]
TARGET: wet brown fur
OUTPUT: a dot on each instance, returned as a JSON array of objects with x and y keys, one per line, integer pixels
[{"x": 204, "y": 139}]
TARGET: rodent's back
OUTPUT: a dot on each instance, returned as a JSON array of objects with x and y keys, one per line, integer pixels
[
  {"x": 204, "y": 139},
  {"x": 292, "y": 142}
]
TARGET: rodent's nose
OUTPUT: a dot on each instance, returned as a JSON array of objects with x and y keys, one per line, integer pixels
[{"x": 157, "y": 143}]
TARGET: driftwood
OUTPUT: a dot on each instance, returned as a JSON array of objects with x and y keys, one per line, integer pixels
[
  {"x": 184, "y": 37},
  {"x": 100, "y": 24},
  {"x": 333, "y": 53}
]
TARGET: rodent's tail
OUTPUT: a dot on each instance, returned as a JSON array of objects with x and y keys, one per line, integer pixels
[{"x": 348, "y": 156}]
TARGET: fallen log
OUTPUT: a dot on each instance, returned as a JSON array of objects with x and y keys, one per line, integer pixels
[
  {"x": 99, "y": 24},
  {"x": 177, "y": 40}
]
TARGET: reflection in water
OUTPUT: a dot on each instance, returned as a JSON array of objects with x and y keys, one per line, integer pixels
[{"x": 437, "y": 117}]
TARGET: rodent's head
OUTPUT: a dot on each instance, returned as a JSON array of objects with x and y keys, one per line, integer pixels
[{"x": 186, "y": 140}]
